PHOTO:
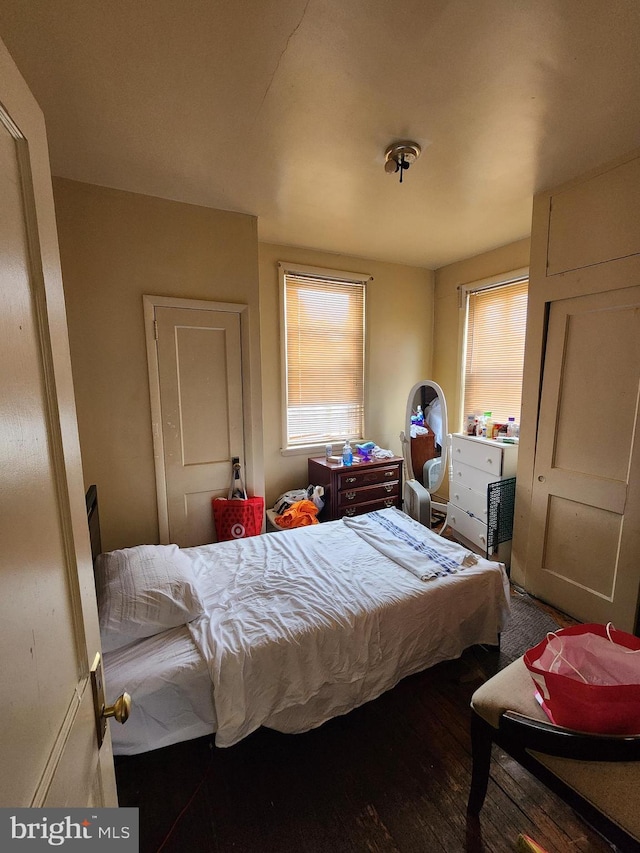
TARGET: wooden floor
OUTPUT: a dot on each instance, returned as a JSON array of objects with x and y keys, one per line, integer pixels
[{"x": 390, "y": 777}]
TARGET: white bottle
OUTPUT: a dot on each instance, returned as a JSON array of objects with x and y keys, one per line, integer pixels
[
  {"x": 347, "y": 454},
  {"x": 512, "y": 428}
]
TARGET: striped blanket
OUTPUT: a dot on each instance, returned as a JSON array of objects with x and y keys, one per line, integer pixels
[{"x": 410, "y": 544}]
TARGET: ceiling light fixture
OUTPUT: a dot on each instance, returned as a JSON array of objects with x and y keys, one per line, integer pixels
[{"x": 399, "y": 156}]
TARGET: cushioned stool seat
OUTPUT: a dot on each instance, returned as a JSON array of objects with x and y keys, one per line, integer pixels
[{"x": 598, "y": 775}]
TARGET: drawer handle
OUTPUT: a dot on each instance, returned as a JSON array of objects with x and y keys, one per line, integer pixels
[
  {"x": 489, "y": 460},
  {"x": 388, "y": 502},
  {"x": 389, "y": 473},
  {"x": 350, "y": 511},
  {"x": 388, "y": 487},
  {"x": 458, "y": 450},
  {"x": 350, "y": 480},
  {"x": 457, "y": 497},
  {"x": 350, "y": 496}
]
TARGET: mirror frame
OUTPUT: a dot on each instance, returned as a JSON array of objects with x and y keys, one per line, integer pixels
[{"x": 406, "y": 435}]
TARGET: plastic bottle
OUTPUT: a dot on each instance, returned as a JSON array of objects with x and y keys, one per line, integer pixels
[
  {"x": 513, "y": 430},
  {"x": 420, "y": 416},
  {"x": 480, "y": 425},
  {"x": 487, "y": 426},
  {"x": 471, "y": 425},
  {"x": 347, "y": 454}
]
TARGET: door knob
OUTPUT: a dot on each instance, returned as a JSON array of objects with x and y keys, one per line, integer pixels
[{"x": 120, "y": 709}]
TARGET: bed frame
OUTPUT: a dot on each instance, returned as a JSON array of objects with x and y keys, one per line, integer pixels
[{"x": 93, "y": 520}]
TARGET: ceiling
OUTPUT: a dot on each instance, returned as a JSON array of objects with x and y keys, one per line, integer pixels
[{"x": 284, "y": 108}]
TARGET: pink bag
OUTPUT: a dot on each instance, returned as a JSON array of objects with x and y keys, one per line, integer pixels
[{"x": 588, "y": 678}]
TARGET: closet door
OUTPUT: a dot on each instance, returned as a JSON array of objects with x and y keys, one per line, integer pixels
[
  {"x": 577, "y": 515},
  {"x": 196, "y": 368},
  {"x": 583, "y": 542}
]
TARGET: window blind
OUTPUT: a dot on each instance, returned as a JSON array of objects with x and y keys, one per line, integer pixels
[
  {"x": 324, "y": 359},
  {"x": 496, "y": 323}
]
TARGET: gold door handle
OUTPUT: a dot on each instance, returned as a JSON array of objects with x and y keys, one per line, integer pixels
[{"x": 120, "y": 709}]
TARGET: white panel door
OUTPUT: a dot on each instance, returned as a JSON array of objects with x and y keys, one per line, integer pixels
[
  {"x": 584, "y": 538},
  {"x": 200, "y": 382},
  {"x": 49, "y": 636}
]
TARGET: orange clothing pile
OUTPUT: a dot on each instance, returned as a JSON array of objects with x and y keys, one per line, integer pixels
[{"x": 299, "y": 514}]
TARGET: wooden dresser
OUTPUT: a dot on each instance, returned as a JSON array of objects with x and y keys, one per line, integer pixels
[{"x": 358, "y": 488}]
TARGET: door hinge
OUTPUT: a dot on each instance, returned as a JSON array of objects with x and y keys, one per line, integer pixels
[{"x": 155, "y": 329}]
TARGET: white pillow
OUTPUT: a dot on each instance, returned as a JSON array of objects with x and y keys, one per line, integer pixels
[{"x": 142, "y": 591}]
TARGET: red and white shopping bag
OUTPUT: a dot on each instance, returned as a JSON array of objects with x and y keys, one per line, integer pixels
[
  {"x": 237, "y": 516},
  {"x": 588, "y": 678}
]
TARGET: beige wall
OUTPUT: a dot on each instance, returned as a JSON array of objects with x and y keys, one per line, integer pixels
[
  {"x": 447, "y": 344},
  {"x": 399, "y": 318},
  {"x": 116, "y": 246},
  {"x": 447, "y": 366}
]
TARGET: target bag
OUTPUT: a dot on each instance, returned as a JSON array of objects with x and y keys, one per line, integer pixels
[
  {"x": 237, "y": 518},
  {"x": 588, "y": 678}
]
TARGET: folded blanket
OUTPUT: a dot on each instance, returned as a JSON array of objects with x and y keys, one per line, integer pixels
[
  {"x": 410, "y": 545},
  {"x": 299, "y": 514}
]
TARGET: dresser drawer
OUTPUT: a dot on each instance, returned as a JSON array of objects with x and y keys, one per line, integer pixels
[
  {"x": 360, "y": 509},
  {"x": 471, "y": 528},
  {"x": 351, "y": 478},
  {"x": 472, "y": 478},
  {"x": 484, "y": 455},
  {"x": 473, "y": 502},
  {"x": 347, "y": 497}
]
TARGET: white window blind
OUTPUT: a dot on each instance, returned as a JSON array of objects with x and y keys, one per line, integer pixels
[
  {"x": 496, "y": 323},
  {"x": 323, "y": 359}
]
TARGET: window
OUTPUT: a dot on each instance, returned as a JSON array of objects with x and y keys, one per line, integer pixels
[
  {"x": 496, "y": 318},
  {"x": 323, "y": 356}
]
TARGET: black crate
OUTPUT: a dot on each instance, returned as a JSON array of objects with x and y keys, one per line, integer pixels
[{"x": 501, "y": 498}]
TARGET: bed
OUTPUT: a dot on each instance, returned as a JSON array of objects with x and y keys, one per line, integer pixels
[{"x": 285, "y": 630}]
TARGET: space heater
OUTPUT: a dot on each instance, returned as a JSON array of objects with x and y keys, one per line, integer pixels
[{"x": 417, "y": 502}]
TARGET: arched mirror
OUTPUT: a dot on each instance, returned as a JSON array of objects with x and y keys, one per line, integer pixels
[{"x": 425, "y": 437}]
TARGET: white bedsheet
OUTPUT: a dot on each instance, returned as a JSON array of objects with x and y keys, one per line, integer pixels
[
  {"x": 303, "y": 625},
  {"x": 171, "y": 691}
]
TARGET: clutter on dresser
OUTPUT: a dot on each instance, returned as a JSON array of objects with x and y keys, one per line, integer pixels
[{"x": 483, "y": 425}]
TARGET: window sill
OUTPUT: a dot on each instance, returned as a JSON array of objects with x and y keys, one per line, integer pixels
[
  {"x": 317, "y": 449},
  {"x": 306, "y": 450}
]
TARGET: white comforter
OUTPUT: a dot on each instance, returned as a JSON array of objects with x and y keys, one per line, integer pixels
[{"x": 303, "y": 625}]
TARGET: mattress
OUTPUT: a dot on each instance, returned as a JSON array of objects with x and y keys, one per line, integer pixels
[{"x": 301, "y": 626}]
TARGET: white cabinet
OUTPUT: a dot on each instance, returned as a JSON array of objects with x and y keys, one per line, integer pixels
[{"x": 475, "y": 463}]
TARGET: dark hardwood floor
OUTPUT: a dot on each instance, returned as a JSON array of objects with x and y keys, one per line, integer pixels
[{"x": 390, "y": 777}]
